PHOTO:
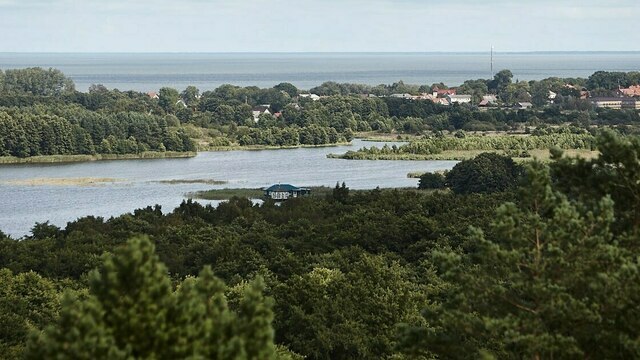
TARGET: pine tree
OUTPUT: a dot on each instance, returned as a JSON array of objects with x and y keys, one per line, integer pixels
[
  {"x": 131, "y": 311},
  {"x": 549, "y": 280}
]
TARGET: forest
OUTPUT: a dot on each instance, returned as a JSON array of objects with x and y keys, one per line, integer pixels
[
  {"x": 41, "y": 113},
  {"x": 497, "y": 261}
]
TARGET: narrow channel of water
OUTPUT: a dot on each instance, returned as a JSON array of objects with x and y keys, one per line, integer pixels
[{"x": 137, "y": 183}]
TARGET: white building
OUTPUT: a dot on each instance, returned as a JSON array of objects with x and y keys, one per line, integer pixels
[
  {"x": 259, "y": 110},
  {"x": 313, "y": 97},
  {"x": 460, "y": 99}
]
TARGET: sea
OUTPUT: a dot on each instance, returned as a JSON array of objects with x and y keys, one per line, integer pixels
[{"x": 151, "y": 71}]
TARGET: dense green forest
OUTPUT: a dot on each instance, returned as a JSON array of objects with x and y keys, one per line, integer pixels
[
  {"x": 41, "y": 113},
  {"x": 530, "y": 261}
]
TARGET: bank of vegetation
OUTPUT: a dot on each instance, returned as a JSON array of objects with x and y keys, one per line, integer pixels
[
  {"x": 512, "y": 261},
  {"x": 461, "y": 146},
  {"x": 41, "y": 114}
]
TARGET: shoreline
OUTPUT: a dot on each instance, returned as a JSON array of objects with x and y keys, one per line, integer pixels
[
  {"x": 61, "y": 159},
  {"x": 459, "y": 155},
  {"x": 269, "y": 147}
]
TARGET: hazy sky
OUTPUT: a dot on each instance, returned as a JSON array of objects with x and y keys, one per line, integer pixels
[{"x": 317, "y": 25}]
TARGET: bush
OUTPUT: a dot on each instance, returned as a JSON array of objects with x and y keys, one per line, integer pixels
[
  {"x": 486, "y": 173},
  {"x": 431, "y": 181}
]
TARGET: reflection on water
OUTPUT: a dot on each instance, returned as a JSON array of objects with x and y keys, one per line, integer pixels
[{"x": 23, "y": 202}]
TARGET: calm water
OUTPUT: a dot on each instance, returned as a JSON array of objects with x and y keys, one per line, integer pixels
[
  {"x": 21, "y": 206},
  {"x": 146, "y": 72}
]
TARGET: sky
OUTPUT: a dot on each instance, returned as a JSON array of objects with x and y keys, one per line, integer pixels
[{"x": 318, "y": 25}]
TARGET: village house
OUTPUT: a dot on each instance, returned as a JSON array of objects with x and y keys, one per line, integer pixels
[
  {"x": 313, "y": 97},
  {"x": 443, "y": 92},
  {"x": 402, "y": 96},
  {"x": 259, "y": 110},
  {"x": 425, "y": 96},
  {"x": 285, "y": 191},
  {"x": 488, "y": 100},
  {"x": 460, "y": 99},
  {"x": 523, "y": 105},
  {"x": 615, "y": 103},
  {"x": 442, "y": 101},
  {"x": 631, "y": 91},
  {"x": 153, "y": 95}
]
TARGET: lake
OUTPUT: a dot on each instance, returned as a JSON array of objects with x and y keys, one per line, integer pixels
[
  {"x": 137, "y": 182},
  {"x": 150, "y": 72}
]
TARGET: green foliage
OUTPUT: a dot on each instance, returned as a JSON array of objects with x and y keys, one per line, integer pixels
[
  {"x": 614, "y": 173},
  {"x": 347, "y": 306},
  {"x": 132, "y": 312},
  {"x": 36, "y": 81},
  {"x": 486, "y": 173},
  {"x": 168, "y": 99},
  {"x": 432, "y": 181},
  {"x": 612, "y": 80},
  {"x": 288, "y": 88},
  {"x": 36, "y": 131},
  {"x": 340, "y": 193},
  {"x": 507, "y": 143},
  {"x": 27, "y": 301},
  {"x": 46, "y": 116},
  {"x": 548, "y": 279}
]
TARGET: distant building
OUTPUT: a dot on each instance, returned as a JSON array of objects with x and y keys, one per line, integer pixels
[
  {"x": 181, "y": 103},
  {"x": 153, "y": 95},
  {"x": 488, "y": 100},
  {"x": 443, "y": 92},
  {"x": 313, "y": 97},
  {"x": 460, "y": 99},
  {"x": 285, "y": 191},
  {"x": 442, "y": 101},
  {"x": 402, "y": 96},
  {"x": 631, "y": 91},
  {"x": 259, "y": 110},
  {"x": 615, "y": 103},
  {"x": 552, "y": 96},
  {"x": 523, "y": 105}
]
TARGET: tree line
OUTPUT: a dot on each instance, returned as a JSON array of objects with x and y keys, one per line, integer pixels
[
  {"x": 544, "y": 267},
  {"x": 33, "y": 131},
  {"x": 344, "y": 109}
]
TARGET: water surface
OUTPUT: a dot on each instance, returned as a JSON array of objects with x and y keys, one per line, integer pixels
[
  {"x": 21, "y": 206},
  {"x": 149, "y": 72}
]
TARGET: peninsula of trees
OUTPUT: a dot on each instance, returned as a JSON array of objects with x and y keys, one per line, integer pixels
[{"x": 42, "y": 115}]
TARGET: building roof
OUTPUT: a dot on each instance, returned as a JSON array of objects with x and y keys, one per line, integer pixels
[
  {"x": 283, "y": 188},
  {"x": 441, "y": 101},
  {"x": 404, "y": 96},
  {"x": 633, "y": 90},
  {"x": 262, "y": 108},
  {"x": 444, "y": 91},
  {"x": 311, "y": 96}
]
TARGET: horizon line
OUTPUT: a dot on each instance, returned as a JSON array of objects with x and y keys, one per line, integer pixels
[{"x": 328, "y": 52}]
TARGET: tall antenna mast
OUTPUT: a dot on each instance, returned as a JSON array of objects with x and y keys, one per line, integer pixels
[{"x": 492, "y": 61}]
